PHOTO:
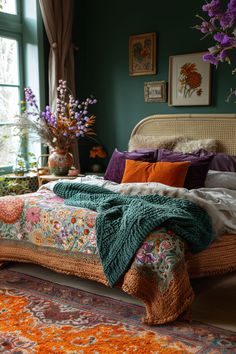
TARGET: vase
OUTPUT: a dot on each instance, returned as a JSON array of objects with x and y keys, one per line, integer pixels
[{"x": 59, "y": 162}]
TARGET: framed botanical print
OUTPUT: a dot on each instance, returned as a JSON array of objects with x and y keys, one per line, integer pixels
[{"x": 189, "y": 80}]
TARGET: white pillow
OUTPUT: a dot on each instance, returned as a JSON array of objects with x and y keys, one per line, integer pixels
[
  {"x": 189, "y": 145},
  {"x": 220, "y": 179}
]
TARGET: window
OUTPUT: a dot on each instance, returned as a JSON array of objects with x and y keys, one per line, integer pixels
[
  {"x": 19, "y": 44},
  {"x": 10, "y": 81},
  {"x": 8, "y": 6},
  {"x": 10, "y": 92}
]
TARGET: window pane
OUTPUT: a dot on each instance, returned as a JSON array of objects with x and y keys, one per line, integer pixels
[
  {"x": 8, "y": 6},
  {"x": 9, "y": 103},
  {"x": 9, "y": 63},
  {"x": 9, "y": 144}
]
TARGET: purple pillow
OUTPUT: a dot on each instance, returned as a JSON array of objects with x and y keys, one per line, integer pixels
[
  {"x": 116, "y": 166},
  {"x": 198, "y": 169},
  {"x": 223, "y": 162}
]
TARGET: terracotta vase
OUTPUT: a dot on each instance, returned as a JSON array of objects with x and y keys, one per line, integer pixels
[{"x": 59, "y": 162}]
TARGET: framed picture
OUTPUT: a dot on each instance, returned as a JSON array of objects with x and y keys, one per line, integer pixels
[
  {"x": 155, "y": 91},
  {"x": 142, "y": 54},
  {"x": 189, "y": 80}
]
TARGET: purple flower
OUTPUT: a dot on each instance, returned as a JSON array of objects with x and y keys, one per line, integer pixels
[
  {"x": 219, "y": 36},
  {"x": 206, "y": 27},
  {"x": 30, "y": 97},
  {"x": 213, "y": 8},
  {"x": 144, "y": 254},
  {"x": 222, "y": 27},
  {"x": 227, "y": 20},
  {"x": 224, "y": 39},
  {"x": 232, "y": 6},
  {"x": 211, "y": 58},
  {"x": 59, "y": 129},
  {"x": 223, "y": 55}
]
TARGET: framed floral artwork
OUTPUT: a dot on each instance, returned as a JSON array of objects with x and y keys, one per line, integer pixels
[
  {"x": 142, "y": 54},
  {"x": 189, "y": 80},
  {"x": 155, "y": 91}
]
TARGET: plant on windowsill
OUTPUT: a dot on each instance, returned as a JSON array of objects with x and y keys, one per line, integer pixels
[
  {"x": 13, "y": 186},
  {"x": 221, "y": 26},
  {"x": 25, "y": 163}
]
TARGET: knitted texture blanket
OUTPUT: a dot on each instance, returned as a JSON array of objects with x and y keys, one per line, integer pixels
[{"x": 123, "y": 222}]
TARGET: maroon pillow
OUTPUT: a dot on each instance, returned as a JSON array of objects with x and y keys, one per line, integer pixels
[
  {"x": 223, "y": 162},
  {"x": 197, "y": 171},
  {"x": 116, "y": 166}
]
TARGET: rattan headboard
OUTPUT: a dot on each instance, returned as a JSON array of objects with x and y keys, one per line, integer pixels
[{"x": 198, "y": 126}]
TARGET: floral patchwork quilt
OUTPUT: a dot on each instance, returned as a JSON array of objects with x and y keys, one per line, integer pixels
[{"x": 41, "y": 221}]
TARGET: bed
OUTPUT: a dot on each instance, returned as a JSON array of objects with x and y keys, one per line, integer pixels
[
  {"x": 221, "y": 256},
  {"x": 40, "y": 228}
]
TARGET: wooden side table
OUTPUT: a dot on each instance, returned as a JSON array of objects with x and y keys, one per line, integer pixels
[{"x": 48, "y": 178}]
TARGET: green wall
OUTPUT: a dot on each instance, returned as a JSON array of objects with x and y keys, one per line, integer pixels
[{"x": 102, "y": 29}]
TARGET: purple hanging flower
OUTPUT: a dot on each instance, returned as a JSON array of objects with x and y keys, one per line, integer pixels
[
  {"x": 213, "y": 8},
  {"x": 222, "y": 27}
]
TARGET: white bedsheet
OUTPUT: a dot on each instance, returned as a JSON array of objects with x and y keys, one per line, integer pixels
[{"x": 220, "y": 203}]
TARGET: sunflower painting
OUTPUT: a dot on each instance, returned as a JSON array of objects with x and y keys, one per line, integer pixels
[{"x": 189, "y": 80}]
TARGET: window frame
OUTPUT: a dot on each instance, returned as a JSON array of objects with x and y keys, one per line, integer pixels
[
  {"x": 28, "y": 26},
  {"x": 15, "y": 18},
  {"x": 11, "y": 27}
]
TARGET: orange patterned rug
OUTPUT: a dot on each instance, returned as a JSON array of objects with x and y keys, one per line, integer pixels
[{"x": 38, "y": 316}]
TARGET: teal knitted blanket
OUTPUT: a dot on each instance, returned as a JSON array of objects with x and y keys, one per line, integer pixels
[{"x": 123, "y": 222}]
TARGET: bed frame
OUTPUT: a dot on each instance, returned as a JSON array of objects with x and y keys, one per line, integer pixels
[
  {"x": 221, "y": 127},
  {"x": 220, "y": 257}
]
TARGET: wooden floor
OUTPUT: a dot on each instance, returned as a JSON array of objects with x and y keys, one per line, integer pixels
[{"x": 215, "y": 301}]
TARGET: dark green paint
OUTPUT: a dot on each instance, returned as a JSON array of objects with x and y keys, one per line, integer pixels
[{"x": 102, "y": 29}]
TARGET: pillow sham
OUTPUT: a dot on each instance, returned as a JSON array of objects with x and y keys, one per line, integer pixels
[
  {"x": 198, "y": 169},
  {"x": 116, "y": 165},
  {"x": 150, "y": 141},
  {"x": 219, "y": 179},
  {"x": 169, "y": 173},
  {"x": 223, "y": 162},
  {"x": 189, "y": 145}
]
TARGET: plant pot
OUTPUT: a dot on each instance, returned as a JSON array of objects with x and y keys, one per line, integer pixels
[{"x": 59, "y": 162}]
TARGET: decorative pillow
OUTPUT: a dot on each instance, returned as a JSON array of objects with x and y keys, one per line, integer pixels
[
  {"x": 189, "y": 145},
  {"x": 223, "y": 162},
  {"x": 169, "y": 173},
  {"x": 116, "y": 166},
  {"x": 197, "y": 172},
  {"x": 219, "y": 179},
  {"x": 150, "y": 141}
]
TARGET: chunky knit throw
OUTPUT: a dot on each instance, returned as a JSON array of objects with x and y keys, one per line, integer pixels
[{"x": 124, "y": 221}]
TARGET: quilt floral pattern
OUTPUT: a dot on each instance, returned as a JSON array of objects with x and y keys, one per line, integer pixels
[
  {"x": 46, "y": 221},
  {"x": 42, "y": 219}
]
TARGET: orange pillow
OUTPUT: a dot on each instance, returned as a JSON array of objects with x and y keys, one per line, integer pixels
[{"x": 169, "y": 173}]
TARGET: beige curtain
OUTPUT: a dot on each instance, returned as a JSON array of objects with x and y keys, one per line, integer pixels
[{"x": 58, "y": 19}]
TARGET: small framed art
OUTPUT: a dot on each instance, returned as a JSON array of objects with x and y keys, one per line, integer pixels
[
  {"x": 142, "y": 54},
  {"x": 155, "y": 91},
  {"x": 189, "y": 80}
]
